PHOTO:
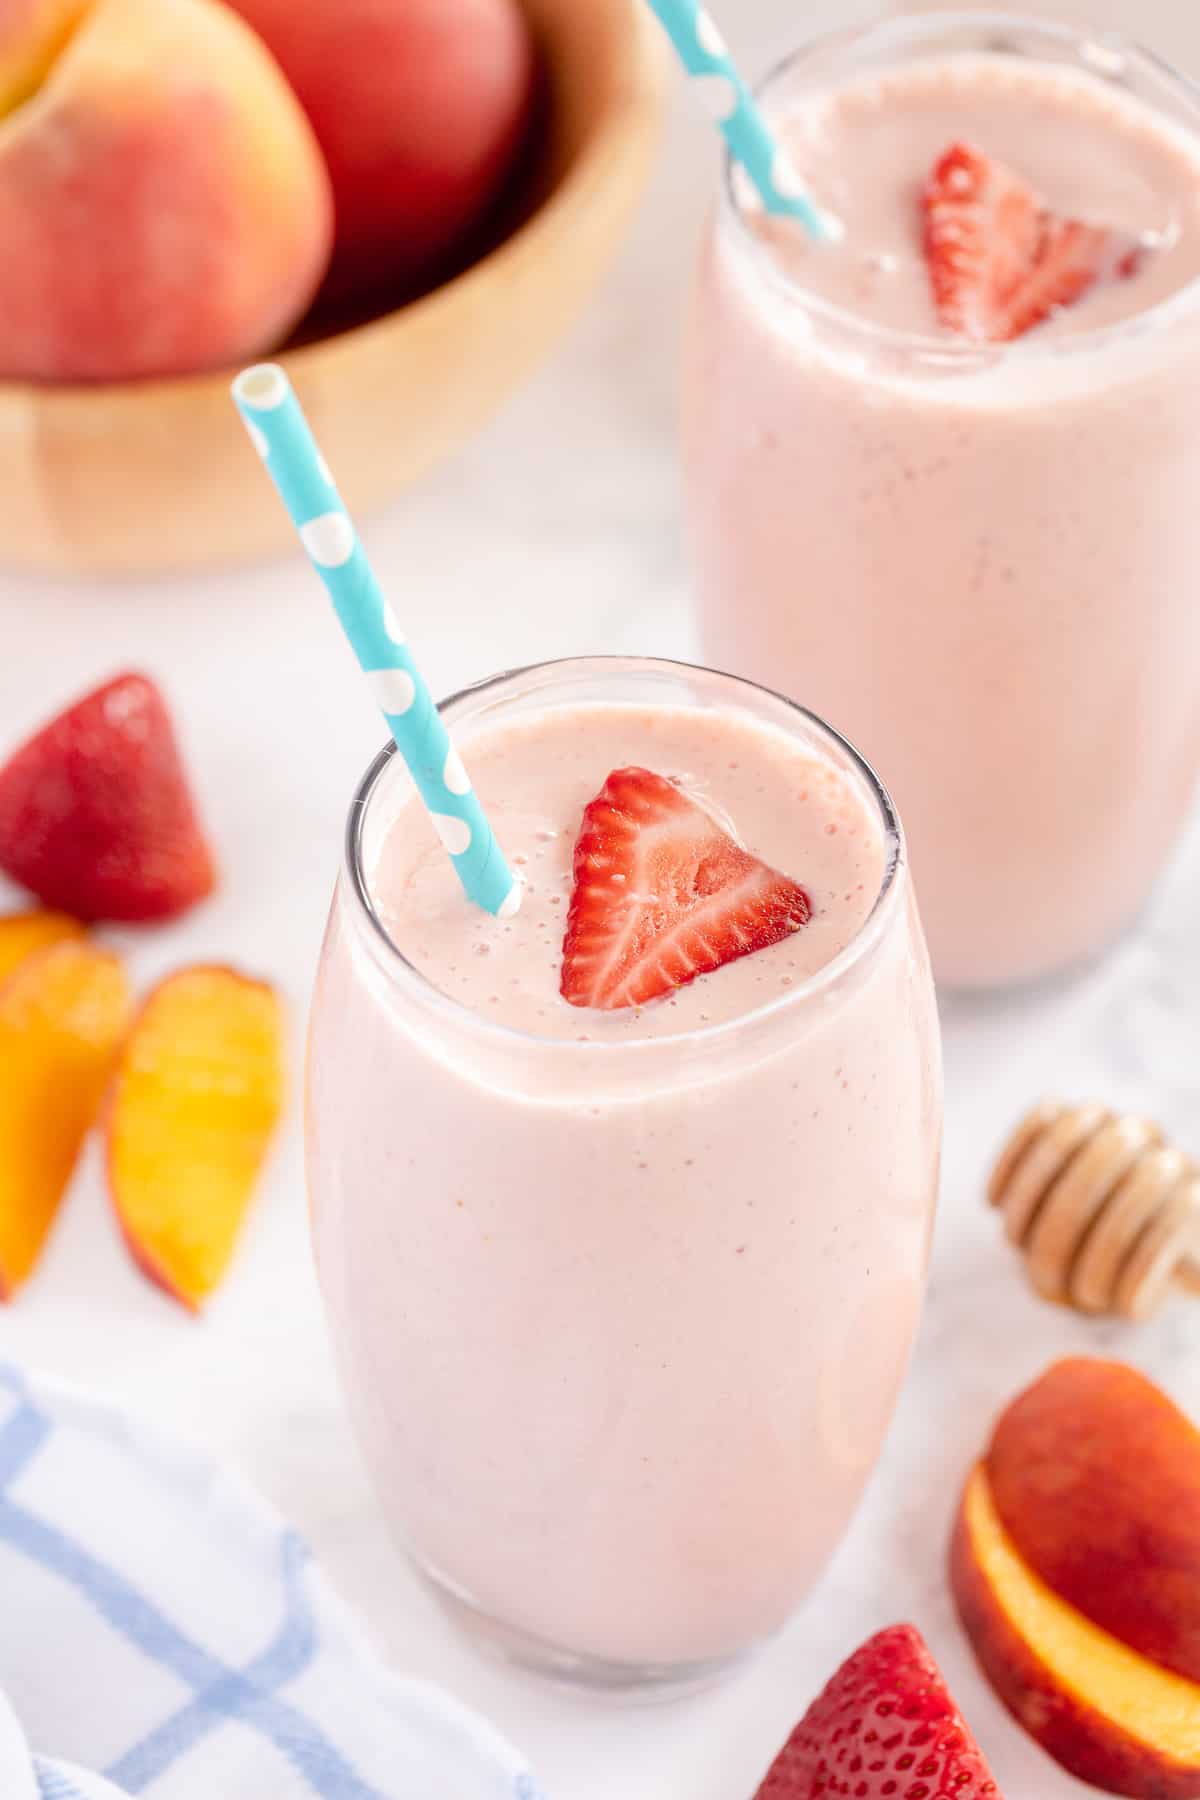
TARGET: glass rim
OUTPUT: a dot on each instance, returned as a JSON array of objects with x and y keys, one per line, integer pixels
[
  {"x": 921, "y": 346},
  {"x": 405, "y": 974}
]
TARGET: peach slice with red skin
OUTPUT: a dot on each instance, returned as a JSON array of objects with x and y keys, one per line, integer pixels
[
  {"x": 1075, "y": 1566},
  {"x": 1105, "y": 1713},
  {"x": 63, "y": 1011},
  {"x": 195, "y": 1100},
  {"x": 1095, "y": 1475}
]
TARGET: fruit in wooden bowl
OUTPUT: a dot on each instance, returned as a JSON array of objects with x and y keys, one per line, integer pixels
[
  {"x": 146, "y": 476},
  {"x": 164, "y": 206},
  {"x": 1076, "y": 1570},
  {"x": 421, "y": 109}
]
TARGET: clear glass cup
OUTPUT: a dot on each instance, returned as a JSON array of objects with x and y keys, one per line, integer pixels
[
  {"x": 621, "y": 1420},
  {"x": 1171, "y": 28},
  {"x": 976, "y": 560}
]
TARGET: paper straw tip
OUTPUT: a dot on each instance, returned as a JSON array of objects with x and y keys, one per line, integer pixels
[
  {"x": 510, "y": 906},
  {"x": 263, "y": 387}
]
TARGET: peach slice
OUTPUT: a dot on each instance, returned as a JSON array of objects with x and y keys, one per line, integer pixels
[
  {"x": 1106, "y": 1713},
  {"x": 62, "y": 1015},
  {"x": 24, "y": 933},
  {"x": 196, "y": 1097},
  {"x": 1095, "y": 1475}
]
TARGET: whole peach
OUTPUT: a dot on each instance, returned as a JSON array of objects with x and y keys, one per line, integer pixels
[
  {"x": 164, "y": 206},
  {"x": 420, "y": 107},
  {"x": 32, "y": 34}
]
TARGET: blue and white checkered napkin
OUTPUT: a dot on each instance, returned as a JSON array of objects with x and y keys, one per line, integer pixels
[{"x": 162, "y": 1629}]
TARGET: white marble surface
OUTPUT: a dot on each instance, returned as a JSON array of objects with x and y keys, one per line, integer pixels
[{"x": 557, "y": 532}]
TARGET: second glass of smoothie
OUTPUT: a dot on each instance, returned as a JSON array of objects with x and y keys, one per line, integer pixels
[
  {"x": 622, "y": 1299},
  {"x": 975, "y": 558}
]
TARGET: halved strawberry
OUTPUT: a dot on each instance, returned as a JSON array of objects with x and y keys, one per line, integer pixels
[
  {"x": 95, "y": 814},
  {"x": 663, "y": 894},
  {"x": 885, "y": 1725},
  {"x": 999, "y": 260}
]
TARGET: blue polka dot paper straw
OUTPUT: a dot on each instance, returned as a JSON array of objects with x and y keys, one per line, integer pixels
[
  {"x": 279, "y": 432},
  {"x": 727, "y": 99}
]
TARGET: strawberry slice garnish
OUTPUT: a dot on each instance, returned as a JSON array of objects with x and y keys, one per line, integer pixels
[
  {"x": 999, "y": 260},
  {"x": 95, "y": 814},
  {"x": 1071, "y": 260},
  {"x": 885, "y": 1726},
  {"x": 663, "y": 894}
]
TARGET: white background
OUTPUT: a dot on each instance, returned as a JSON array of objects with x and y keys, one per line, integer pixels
[{"x": 557, "y": 532}]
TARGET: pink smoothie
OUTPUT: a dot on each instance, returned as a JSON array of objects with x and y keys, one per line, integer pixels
[
  {"x": 622, "y": 1299},
  {"x": 977, "y": 561},
  {"x": 785, "y": 803}
]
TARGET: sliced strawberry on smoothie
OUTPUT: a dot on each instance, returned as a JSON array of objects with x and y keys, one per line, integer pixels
[
  {"x": 96, "y": 817},
  {"x": 663, "y": 894},
  {"x": 885, "y": 1725},
  {"x": 999, "y": 260}
]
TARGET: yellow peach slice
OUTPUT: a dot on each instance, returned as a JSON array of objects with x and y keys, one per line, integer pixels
[
  {"x": 1102, "y": 1710},
  {"x": 197, "y": 1095},
  {"x": 24, "y": 933},
  {"x": 62, "y": 1015}
]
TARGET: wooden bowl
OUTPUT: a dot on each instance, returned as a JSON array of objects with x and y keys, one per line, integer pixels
[{"x": 139, "y": 477}]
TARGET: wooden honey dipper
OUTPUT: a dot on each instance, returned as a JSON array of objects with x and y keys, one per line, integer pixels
[{"x": 1104, "y": 1211}]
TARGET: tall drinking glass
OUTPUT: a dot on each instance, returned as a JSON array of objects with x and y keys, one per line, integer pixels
[
  {"x": 621, "y": 1319},
  {"x": 977, "y": 560}
]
